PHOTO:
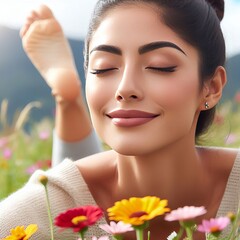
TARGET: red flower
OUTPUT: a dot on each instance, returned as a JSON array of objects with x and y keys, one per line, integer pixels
[{"x": 79, "y": 218}]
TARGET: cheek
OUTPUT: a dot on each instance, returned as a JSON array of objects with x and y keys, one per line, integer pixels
[
  {"x": 97, "y": 95},
  {"x": 92, "y": 93},
  {"x": 178, "y": 93}
]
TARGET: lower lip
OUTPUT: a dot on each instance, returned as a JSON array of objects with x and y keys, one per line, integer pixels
[{"x": 130, "y": 122}]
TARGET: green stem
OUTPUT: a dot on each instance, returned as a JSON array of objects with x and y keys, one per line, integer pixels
[
  {"x": 49, "y": 213},
  {"x": 210, "y": 236},
  {"x": 189, "y": 233},
  {"x": 234, "y": 233},
  {"x": 9, "y": 180},
  {"x": 180, "y": 233},
  {"x": 148, "y": 235},
  {"x": 139, "y": 234},
  {"x": 82, "y": 235},
  {"x": 117, "y": 237}
]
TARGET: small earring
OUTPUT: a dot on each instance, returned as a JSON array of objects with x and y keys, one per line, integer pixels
[{"x": 206, "y": 105}]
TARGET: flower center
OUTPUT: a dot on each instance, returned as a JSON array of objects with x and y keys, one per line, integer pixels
[
  {"x": 78, "y": 219},
  {"x": 20, "y": 235},
  {"x": 138, "y": 214},
  {"x": 214, "y": 229}
]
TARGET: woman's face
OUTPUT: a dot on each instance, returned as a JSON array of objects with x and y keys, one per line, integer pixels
[{"x": 142, "y": 82}]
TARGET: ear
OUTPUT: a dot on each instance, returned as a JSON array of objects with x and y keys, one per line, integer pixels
[{"x": 213, "y": 88}]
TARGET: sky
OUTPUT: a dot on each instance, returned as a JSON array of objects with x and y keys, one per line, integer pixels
[{"x": 74, "y": 16}]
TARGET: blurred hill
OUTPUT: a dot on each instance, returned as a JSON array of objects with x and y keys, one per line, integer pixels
[
  {"x": 233, "y": 74},
  {"x": 20, "y": 82}
]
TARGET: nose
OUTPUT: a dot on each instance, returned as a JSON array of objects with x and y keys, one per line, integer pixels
[{"x": 130, "y": 86}]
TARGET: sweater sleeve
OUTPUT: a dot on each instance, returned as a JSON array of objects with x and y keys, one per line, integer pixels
[
  {"x": 74, "y": 150},
  {"x": 28, "y": 205}
]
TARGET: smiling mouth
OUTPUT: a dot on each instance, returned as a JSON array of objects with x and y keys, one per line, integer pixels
[{"x": 130, "y": 118}]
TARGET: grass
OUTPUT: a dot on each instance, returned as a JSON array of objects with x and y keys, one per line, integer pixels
[{"x": 21, "y": 151}]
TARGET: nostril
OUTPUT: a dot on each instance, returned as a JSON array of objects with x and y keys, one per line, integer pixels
[
  {"x": 123, "y": 98},
  {"x": 119, "y": 98},
  {"x": 133, "y": 96}
]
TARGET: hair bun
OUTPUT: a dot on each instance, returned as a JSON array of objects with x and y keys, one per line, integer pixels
[{"x": 218, "y": 6}]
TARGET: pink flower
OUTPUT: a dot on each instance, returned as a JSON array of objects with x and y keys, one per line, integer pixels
[
  {"x": 7, "y": 153},
  {"x": 213, "y": 225},
  {"x": 42, "y": 164},
  {"x": 30, "y": 170},
  {"x": 231, "y": 138},
  {"x": 116, "y": 228},
  {"x": 44, "y": 135},
  {"x": 185, "y": 213}
]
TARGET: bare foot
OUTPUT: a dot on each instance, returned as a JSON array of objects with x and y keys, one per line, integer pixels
[{"x": 46, "y": 46}]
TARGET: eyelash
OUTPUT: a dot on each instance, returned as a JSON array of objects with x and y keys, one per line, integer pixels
[
  {"x": 159, "y": 69},
  {"x": 101, "y": 71},
  {"x": 163, "y": 69}
]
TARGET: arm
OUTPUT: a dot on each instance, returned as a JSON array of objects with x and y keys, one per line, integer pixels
[
  {"x": 74, "y": 136},
  {"x": 76, "y": 141}
]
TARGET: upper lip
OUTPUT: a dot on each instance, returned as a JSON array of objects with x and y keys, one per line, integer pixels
[{"x": 131, "y": 114}]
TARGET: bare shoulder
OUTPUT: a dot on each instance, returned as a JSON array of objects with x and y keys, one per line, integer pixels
[
  {"x": 98, "y": 166},
  {"x": 218, "y": 158}
]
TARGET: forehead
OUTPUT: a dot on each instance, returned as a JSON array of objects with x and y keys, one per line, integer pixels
[
  {"x": 134, "y": 24},
  {"x": 127, "y": 18}
]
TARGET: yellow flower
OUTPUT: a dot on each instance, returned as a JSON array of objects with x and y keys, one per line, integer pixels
[
  {"x": 43, "y": 180},
  {"x": 19, "y": 233},
  {"x": 136, "y": 211},
  {"x": 3, "y": 164}
]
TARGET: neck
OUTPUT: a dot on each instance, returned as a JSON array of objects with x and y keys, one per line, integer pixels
[{"x": 172, "y": 173}]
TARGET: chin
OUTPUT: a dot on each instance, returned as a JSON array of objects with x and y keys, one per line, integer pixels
[{"x": 129, "y": 150}]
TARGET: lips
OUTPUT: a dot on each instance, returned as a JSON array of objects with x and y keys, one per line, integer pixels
[{"x": 130, "y": 118}]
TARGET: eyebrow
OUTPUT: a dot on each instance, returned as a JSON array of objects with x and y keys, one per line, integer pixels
[
  {"x": 142, "y": 50},
  {"x": 107, "y": 48},
  {"x": 156, "y": 45}
]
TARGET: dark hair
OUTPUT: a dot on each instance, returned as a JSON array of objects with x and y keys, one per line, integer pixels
[{"x": 195, "y": 21}]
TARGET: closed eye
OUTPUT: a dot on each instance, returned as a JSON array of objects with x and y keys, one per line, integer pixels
[
  {"x": 101, "y": 71},
  {"x": 163, "y": 69}
]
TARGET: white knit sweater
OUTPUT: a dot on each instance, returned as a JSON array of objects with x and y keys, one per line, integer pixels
[{"x": 67, "y": 189}]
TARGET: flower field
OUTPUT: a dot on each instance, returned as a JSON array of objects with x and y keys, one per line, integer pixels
[{"x": 22, "y": 152}]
